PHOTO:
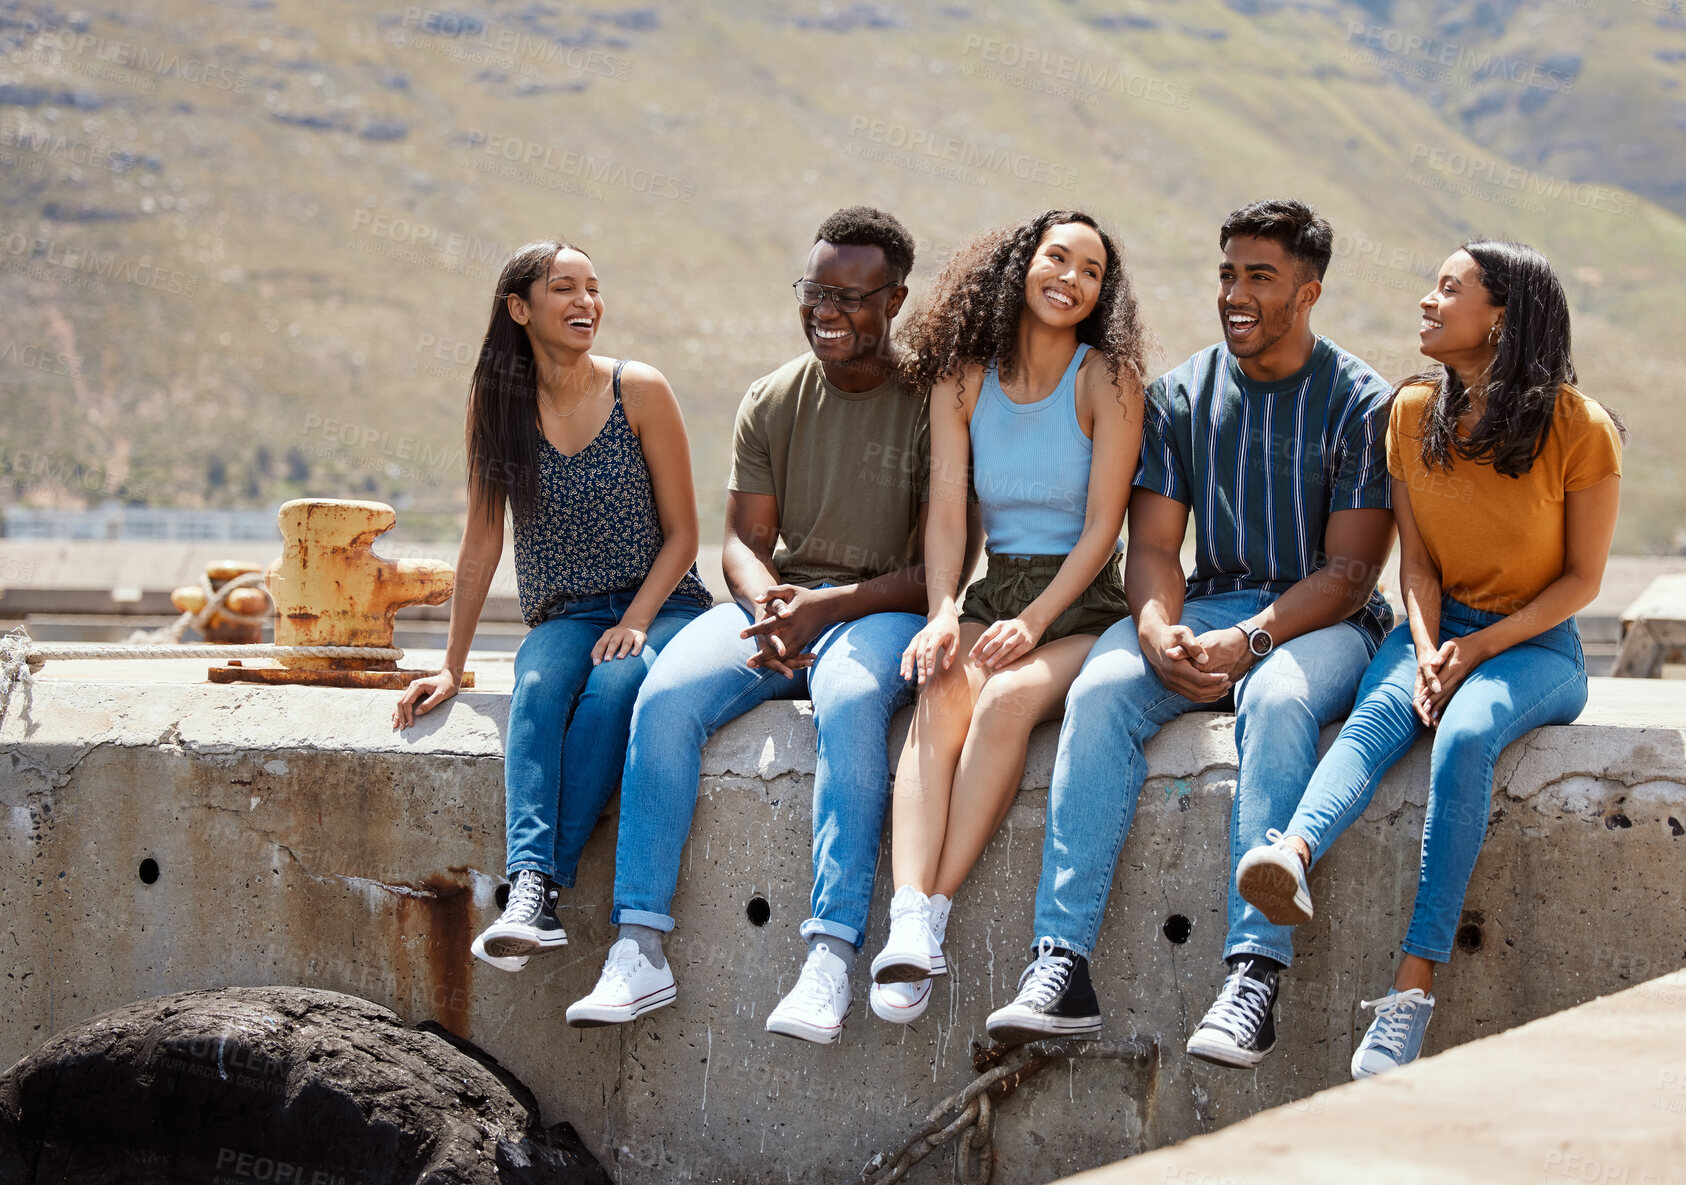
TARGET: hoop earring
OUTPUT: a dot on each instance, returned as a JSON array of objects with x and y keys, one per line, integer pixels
[{"x": 1493, "y": 335}]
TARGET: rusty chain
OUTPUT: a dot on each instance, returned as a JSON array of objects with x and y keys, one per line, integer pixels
[{"x": 969, "y": 1113}]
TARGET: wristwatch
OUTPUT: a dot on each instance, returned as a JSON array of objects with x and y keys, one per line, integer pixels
[{"x": 1259, "y": 642}]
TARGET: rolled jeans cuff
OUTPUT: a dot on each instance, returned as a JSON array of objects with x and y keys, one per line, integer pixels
[
  {"x": 1285, "y": 957},
  {"x": 535, "y": 866},
  {"x": 814, "y": 927},
  {"x": 1422, "y": 952},
  {"x": 1076, "y": 948},
  {"x": 641, "y": 917}
]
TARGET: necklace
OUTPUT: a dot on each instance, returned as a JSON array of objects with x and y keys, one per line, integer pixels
[{"x": 563, "y": 414}]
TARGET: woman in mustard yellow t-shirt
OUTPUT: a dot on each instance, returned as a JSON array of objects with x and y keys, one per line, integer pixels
[{"x": 1505, "y": 486}]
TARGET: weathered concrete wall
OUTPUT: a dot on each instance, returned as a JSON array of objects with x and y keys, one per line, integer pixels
[{"x": 297, "y": 840}]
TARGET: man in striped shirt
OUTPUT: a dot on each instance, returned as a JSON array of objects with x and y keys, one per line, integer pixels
[{"x": 1275, "y": 440}]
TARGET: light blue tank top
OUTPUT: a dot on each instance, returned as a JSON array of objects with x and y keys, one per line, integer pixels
[{"x": 1030, "y": 466}]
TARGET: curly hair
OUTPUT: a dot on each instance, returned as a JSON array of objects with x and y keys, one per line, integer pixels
[
  {"x": 863, "y": 226},
  {"x": 972, "y": 313}
]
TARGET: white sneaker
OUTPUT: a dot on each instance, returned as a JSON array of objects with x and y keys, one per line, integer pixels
[
  {"x": 1271, "y": 878},
  {"x": 900, "y": 1003},
  {"x": 478, "y": 949},
  {"x": 911, "y": 952},
  {"x": 903, "y": 1003},
  {"x": 628, "y": 988},
  {"x": 814, "y": 1010}
]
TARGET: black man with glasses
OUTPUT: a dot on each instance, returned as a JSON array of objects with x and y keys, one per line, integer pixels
[{"x": 824, "y": 514}]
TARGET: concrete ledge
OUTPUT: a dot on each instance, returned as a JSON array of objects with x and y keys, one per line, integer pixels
[
  {"x": 1593, "y": 1094},
  {"x": 298, "y": 840}
]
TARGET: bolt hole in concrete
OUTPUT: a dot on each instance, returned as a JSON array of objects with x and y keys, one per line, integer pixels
[
  {"x": 503, "y": 897},
  {"x": 1177, "y": 928},
  {"x": 1469, "y": 937},
  {"x": 758, "y": 911},
  {"x": 149, "y": 871}
]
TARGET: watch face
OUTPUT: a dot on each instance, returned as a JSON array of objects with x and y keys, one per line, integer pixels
[{"x": 1259, "y": 643}]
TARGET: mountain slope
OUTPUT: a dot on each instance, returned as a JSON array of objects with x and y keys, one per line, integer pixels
[{"x": 247, "y": 253}]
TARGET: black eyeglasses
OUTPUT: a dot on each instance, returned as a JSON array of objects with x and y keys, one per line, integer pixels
[{"x": 844, "y": 300}]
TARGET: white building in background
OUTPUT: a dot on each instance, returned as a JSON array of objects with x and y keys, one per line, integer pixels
[{"x": 117, "y": 521}]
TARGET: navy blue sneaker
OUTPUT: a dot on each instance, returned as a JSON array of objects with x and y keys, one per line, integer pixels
[
  {"x": 1055, "y": 1000},
  {"x": 1240, "y": 1028}
]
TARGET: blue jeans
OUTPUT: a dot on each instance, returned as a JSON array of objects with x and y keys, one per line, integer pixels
[
  {"x": 568, "y": 722},
  {"x": 1540, "y": 681},
  {"x": 1117, "y": 704},
  {"x": 702, "y": 683}
]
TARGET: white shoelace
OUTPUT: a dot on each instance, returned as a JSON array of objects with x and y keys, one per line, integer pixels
[
  {"x": 622, "y": 965},
  {"x": 1241, "y": 1006},
  {"x": 906, "y": 905},
  {"x": 1044, "y": 979},
  {"x": 1394, "y": 1016},
  {"x": 816, "y": 987},
  {"x": 526, "y": 899}
]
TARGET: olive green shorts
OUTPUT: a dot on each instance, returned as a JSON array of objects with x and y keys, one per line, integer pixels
[{"x": 1011, "y": 582}]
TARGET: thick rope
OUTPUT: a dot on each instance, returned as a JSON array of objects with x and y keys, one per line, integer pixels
[
  {"x": 21, "y": 656},
  {"x": 214, "y": 604},
  {"x": 40, "y": 652},
  {"x": 14, "y": 666},
  {"x": 969, "y": 1113}
]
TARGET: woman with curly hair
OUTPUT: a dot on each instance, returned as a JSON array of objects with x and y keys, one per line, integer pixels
[{"x": 1032, "y": 349}]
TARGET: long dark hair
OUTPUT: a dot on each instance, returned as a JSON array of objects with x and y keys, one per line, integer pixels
[
  {"x": 972, "y": 312},
  {"x": 1532, "y": 364},
  {"x": 503, "y": 426}
]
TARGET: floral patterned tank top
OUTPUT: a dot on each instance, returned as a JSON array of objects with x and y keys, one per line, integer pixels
[{"x": 594, "y": 527}]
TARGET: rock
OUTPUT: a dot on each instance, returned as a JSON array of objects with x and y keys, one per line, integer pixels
[{"x": 289, "y": 1086}]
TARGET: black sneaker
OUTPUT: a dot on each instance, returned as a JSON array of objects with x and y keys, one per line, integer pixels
[
  {"x": 1055, "y": 1000},
  {"x": 528, "y": 924},
  {"x": 1240, "y": 1028}
]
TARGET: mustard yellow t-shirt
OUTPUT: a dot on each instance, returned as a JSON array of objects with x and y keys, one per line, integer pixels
[{"x": 1499, "y": 541}]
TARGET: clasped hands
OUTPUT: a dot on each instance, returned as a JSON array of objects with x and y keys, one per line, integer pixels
[
  {"x": 1200, "y": 667},
  {"x": 1440, "y": 672},
  {"x": 788, "y": 619}
]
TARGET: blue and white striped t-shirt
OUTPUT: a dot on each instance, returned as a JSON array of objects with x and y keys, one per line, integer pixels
[{"x": 1264, "y": 465}]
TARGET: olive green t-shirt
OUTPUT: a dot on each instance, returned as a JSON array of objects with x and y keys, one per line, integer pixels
[{"x": 849, "y": 471}]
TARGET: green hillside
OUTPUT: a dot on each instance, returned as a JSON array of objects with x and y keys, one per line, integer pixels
[{"x": 247, "y": 252}]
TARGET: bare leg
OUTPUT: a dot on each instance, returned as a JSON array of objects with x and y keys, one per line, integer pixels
[
  {"x": 1013, "y": 701},
  {"x": 1414, "y": 973},
  {"x": 925, "y": 772}
]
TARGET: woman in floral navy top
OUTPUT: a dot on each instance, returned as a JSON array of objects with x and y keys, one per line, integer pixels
[{"x": 590, "y": 456}]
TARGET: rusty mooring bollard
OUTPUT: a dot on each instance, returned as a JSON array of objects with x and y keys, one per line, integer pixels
[
  {"x": 234, "y": 622},
  {"x": 331, "y": 589}
]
